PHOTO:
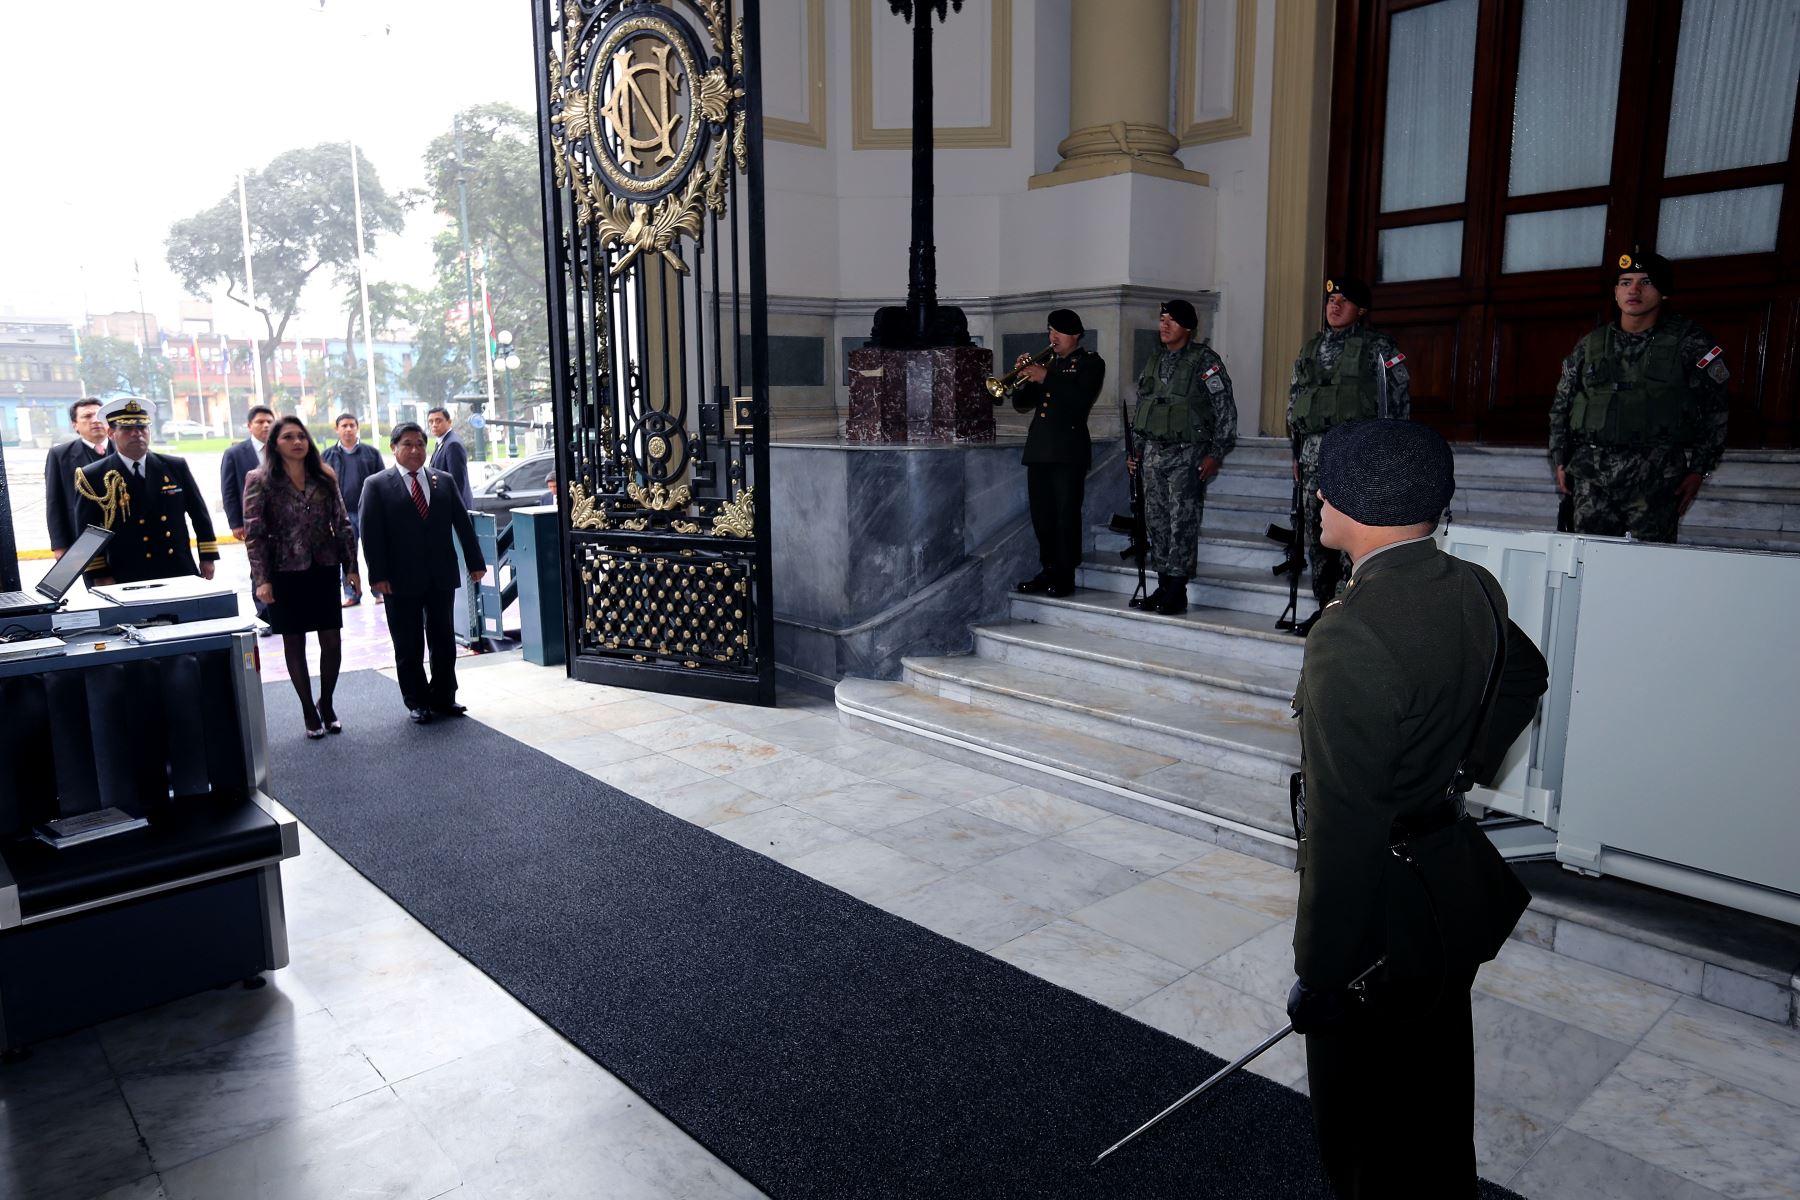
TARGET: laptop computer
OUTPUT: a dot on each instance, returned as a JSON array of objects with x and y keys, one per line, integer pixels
[{"x": 48, "y": 595}]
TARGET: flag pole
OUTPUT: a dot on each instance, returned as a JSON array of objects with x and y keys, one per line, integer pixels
[
  {"x": 362, "y": 281},
  {"x": 250, "y": 288}
]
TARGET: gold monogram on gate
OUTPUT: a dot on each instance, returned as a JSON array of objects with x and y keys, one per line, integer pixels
[
  {"x": 629, "y": 104},
  {"x": 647, "y": 133}
]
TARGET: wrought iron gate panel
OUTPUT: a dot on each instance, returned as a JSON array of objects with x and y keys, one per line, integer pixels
[{"x": 650, "y": 123}]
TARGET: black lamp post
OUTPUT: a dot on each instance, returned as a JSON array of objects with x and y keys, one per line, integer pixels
[{"x": 922, "y": 323}]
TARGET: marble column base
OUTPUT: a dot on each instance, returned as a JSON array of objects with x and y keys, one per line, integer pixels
[{"x": 920, "y": 395}]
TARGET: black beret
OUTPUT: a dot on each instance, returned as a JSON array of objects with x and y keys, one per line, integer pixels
[
  {"x": 1066, "y": 321},
  {"x": 1182, "y": 313},
  {"x": 1385, "y": 473},
  {"x": 1350, "y": 288},
  {"x": 1660, "y": 270}
]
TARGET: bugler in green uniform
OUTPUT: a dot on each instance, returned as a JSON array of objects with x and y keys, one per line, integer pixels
[
  {"x": 1640, "y": 413},
  {"x": 1059, "y": 395}
]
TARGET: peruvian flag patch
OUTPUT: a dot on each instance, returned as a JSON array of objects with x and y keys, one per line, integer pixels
[
  {"x": 1710, "y": 355},
  {"x": 1391, "y": 363}
]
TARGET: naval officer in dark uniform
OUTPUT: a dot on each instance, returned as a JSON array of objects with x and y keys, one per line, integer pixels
[
  {"x": 1059, "y": 395},
  {"x": 1390, "y": 694},
  {"x": 147, "y": 501}
]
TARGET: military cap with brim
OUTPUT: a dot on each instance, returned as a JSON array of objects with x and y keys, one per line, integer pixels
[
  {"x": 1385, "y": 473},
  {"x": 126, "y": 410},
  {"x": 1350, "y": 288}
]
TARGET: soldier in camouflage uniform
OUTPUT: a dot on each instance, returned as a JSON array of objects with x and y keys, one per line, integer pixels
[
  {"x": 1639, "y": 418},
  {"x": 1345, "y": 372},
  {"x": 1186, "y": 423}
]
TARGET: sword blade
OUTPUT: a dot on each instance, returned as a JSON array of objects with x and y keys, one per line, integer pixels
[{"x": 1212, "y": 1080}]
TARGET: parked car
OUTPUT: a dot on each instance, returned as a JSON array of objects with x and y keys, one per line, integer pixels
[
  {"x": 519, "y": 486},
  {"x": 184, "y": 429}
]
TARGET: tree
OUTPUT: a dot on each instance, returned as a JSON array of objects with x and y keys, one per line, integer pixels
[
  {"x": 499, "y": 166},
  {"x": 389, "y": 304},
  {"x": 302, "y": 221},
  {"x": 115, "y": 365}
]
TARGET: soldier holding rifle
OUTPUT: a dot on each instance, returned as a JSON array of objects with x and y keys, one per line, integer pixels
[
  {"x": 1186, "y": 423},
  {"x": 1059, "y": 393}
]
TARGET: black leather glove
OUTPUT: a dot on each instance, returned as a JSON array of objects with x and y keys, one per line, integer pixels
[{"x": 1317, "y": 1010}]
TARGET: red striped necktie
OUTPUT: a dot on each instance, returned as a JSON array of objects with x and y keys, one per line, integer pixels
[{"x": 418, "y": 496}]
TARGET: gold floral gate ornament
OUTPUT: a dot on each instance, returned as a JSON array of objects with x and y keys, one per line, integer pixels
[{"x": 652, "y": 178}]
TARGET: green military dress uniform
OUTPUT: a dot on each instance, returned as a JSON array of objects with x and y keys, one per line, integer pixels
[
  {"x": 1185, "y": 414},
  {"x": 148, "y": 515},
  {"x": 1058, "y": 452},
  {"x": 1634, "y": 414},
  {"x": 1389, "y": 692},
  {"x": 1341, "y": 375}
]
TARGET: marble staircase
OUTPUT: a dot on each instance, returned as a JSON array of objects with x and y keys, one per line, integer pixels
[{"x": 1183, "y": 722}]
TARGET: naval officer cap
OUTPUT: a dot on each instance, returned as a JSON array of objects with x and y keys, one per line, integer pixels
[
  {"x": 1386, "y": 473},
  {"x": 126, "y": 410}
]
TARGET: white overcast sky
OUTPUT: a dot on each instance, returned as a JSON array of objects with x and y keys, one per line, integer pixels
[{"x": 122, "y": 116}]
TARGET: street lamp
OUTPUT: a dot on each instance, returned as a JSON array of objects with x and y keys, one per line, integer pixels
[{"x": 508, "y": 362}]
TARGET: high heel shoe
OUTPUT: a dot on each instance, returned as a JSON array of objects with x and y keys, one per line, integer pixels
[
  {"x": 329, "y": 716},
  {"x": 315, "y": 733}
]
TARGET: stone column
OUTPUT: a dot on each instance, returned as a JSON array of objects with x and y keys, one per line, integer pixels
[{"x": 1119, "y": 93}]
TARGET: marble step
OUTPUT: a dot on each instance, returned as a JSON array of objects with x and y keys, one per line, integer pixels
[
  {"x": 1225, "y": 548},
  {"x": 1118, "y": 662},
  {"x": 1247, "y": 815},
  {"x": 1242, "y": 589},
  {"x": 1232, "y": 738},
  {"x": 1200, "y": 631}
]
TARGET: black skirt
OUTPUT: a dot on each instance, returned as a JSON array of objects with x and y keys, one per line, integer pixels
[{"x": 306, "y": 601}]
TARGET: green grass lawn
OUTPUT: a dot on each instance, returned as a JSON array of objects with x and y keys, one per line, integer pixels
[{"x": 196, "y": 445}]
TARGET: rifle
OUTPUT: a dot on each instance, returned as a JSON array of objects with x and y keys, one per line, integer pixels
[
  {"x": 1133, "y": 526},
  {"x": 1293, "y": 559}
]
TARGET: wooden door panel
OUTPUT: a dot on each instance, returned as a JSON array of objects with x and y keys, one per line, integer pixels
[
  {"x": 1432, "y": 354},
  {"x": 1741, "y": 330},
  {"x": 1526, "y": 349}
]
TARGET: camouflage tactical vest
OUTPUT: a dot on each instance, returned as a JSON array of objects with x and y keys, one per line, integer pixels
[
  {"x": 1175, "y": 411},
  {"x": 1347, "y": 393},
  {"x": 1643, "y": 403}
]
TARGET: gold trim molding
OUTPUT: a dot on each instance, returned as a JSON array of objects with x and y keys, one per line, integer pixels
[
  {"x": 865, "y": 135},
  {"x": 1194, "y": 132},
  {"x": 1299, "y": 127},
  {"x": 810, "y": 132}
]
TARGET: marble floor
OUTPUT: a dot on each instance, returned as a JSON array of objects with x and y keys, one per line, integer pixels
[{"x": 380, "y": 1063}]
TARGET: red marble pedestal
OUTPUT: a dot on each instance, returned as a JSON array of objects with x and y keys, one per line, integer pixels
[{"x": 920, "y": 395}]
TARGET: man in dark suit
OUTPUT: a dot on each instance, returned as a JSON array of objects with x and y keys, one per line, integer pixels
[
  {"x": 354, "y": 461},
  {"x": 1390, "y": 696},
  {"x": 147, "y": 501},
  {"x": 238, "y": 462},
  {"x": 88, "y": 448},
  {"x": 1059, "y": 395},
  {"x": 409, "y": 514},
  {"x": 450, "y": 455}
]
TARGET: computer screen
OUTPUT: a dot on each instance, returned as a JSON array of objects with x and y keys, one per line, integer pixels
[{"x": 68, "y": 568}]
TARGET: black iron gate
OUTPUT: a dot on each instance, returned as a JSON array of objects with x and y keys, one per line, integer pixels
[{"x": 651, "y": 130}]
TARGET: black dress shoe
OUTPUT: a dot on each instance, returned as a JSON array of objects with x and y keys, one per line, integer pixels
[
  {"x": 449, "y": 710},
  {"x": 1036, "y": 585},
  {"x": 1174, "y": 600},
  {"x": 420, "y": 716},
  {"x": 1059, "y": 589}
]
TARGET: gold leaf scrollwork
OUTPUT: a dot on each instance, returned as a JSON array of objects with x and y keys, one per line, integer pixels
[
  {"x": 658, "y": 498},
  {"x": 584, "y": 511},
  {"x": 737, "y": 518},
  {"x": 637, "y": 525},
  {"x": 684, "y": 527}
]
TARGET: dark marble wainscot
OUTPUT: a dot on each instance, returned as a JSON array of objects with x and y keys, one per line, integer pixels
[
  {"x": 882, "y": 551},
  {"x": 920, "y": 395}
]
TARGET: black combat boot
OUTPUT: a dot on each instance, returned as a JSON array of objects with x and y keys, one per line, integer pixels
[
  {"x": 1174, "y": 601},
  {"x": 1149, "y": 603}
]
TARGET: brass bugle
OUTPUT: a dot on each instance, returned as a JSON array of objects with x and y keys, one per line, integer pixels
[{"x": 1003, "y": 387}]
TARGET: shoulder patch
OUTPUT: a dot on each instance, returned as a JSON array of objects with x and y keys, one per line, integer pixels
[
  {"x": 1391, "y": 363},
  {"x": 1706, "y": 359}
]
